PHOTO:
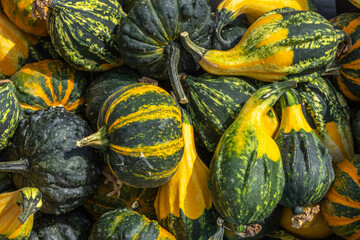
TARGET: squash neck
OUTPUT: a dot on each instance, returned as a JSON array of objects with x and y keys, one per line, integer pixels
[
  {"x": 99, "y": 139},
  {"x": 21, "y": 166},
  {"x": 196, "y": 51}
]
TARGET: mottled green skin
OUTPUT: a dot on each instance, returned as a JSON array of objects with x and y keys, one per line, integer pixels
[
  {"x": 306, "y": 161},
  {"x": 74, "y": 225},
  {"x": 65, "y": 174},
  {"x": 41, "y": 48},
  {"x": 132, "y": 169},
  {"x": 281, "y": 235},
  {"x": 355, "y": 125},
  {"x": 83, "y": 32},
  {"x": 123, "y": 224},
  {"x": 106, "y": 84},
  {"x": 10, "y": 113},
  {"x": 150, "y": 27}
]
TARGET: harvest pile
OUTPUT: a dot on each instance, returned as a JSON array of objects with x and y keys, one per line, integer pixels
[{"x": 158, "y": 119}]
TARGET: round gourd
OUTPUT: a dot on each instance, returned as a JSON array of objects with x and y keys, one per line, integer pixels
[
  {"x": 44, "y": 155},
  {"x": 140, "y": 135}
]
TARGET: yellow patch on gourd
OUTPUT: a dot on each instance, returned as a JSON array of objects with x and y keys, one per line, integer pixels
[
  {"x": 293, "y": 118},
  {"x": 332, "y": 130}
]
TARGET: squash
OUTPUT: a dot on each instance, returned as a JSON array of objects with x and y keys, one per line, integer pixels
[
  {"x": 74, "y": 225},
  {"x": 228, "y": 10},
  {"x": 246, "y": 172},
  {"x": 341, "y": 205},
  {"x": 183, "y": 205},
  {"x": 281, "y": 235},
  {"x": 140, "y": 135},
  {"x": 106, "y": 84},
  {"x": 41, "y": 49},
  {"x": 50, "y": 83},
  {"x": 348, "y": 81},
  {"x": 83, "y": 32},
  {"x": 17, "y": 212},
  {"x": 19, "y": 12},
  {"x": 214, "y": 103},
  {"x": 274, "y": 49},
  {"x": 306, "y": 161},
  {"x": 356, "y": 3},
  {"x": 127, "y": 225},
  {"x": 111, "y": 194},
  {"x": 149, "y": 38},
  {"x": 43, "y": 154},
  {"x": 10, "y": 112}
]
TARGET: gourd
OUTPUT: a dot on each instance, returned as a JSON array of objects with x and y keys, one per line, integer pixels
[
  {"x": 41, "y": 49},
  {"x": 126, "y": 225},
  {"x": 149, "y": 38},
  {"x": 106, "y": 84},
  {"x": 90, "y": 26},
  {"x": 50, "y": 83},
  {"x": 140, "y": 135},
  {"x": 356, "y": 3},
  {"x": 348, "y": 79},
  {"x": 274, "y": 49},
  {"x": 74, "y": 225},
  {"x": 183, "y": 205},
  {"x": 17, "y": 210},
  {"x": 341, "y": 205},
  {"x": 19, "y": 12},
  {"x": 246, "y": 172},
  {"x": 214, "y": 103},
  {"x": 228, "y": 10},
  {"x": 43, "y": 154},
  {"x": 281, "y": 235},
  {"x": 306, "y": 161},
  {"x": 10, "y": 112}
]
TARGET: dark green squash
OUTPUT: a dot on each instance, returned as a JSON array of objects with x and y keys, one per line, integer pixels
[
  {"x": 149, "y": 38},
  {"x": 44, "y": 155},
  {"x": 306, "y": 161},
  {"x": 140, "y": 135},
  {"x": 41, "y": 49}
]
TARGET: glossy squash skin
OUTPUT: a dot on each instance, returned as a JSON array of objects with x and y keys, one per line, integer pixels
[
  {"x": 19, "y": 12},
  {"x": 184, "y": 205},
  {"x": 125, "y": 224},
  {"x": 17, "y": 212},
  {"x": 149, "y": 38},
  {"x": 341, "y": 205},
  {"x": 327, "y": 112},
  {"x": 50, "y": 83},
  {"x": 10, "y": 112},
  {"x": 214, "y": 103},
  {"x": 306, "y": 161},
  {"x": 348, "y": 81},
  {"x": 283, "y": 44},
  {"x": 247, "y": 162},
  {"x": 140, "y": 133},
  {"x": 39, "y": 157}
]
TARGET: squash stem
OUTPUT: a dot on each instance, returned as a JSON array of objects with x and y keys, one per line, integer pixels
[
  {"x": 299, "y": 219},
  {"x": 96, "y": 140},
  {"x": 196, "y": 51},
  {"x": 2, "y": 82},
  {"x": 221, "y": 20},
  {"x": 39, "y": 8},
  {"x": 173, "y": 55},
  {"x": 219, "y": 235},
  {"x": 21, "y": 166}
]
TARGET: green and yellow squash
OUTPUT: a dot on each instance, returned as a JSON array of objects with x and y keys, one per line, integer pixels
[
  {"x": 228, "y": 10},
  {"x": 41, "y": 49},
  {"x": 10, "y": 112},
  {"x": 214, "y": 103},
  {"x": 183, "y": 205},
  {"x": 246, "y": 172},
  {"x": 50, "y": 83},
  {"x": 283, "y": 44},
  {"x": 348, "y": 81},
  {"x": 83, "y": 32},
  {"x": 19, "y": 12},
  {"x": 127, "y": 225},
  {"x": 140, "y": 134},
  {"x": 341, "y": 205},
  {"x": 149, "y": 38},
  {"x": 17, "y": 212}
]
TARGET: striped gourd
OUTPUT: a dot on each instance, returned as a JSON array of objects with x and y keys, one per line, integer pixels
[
  {"x": 341, "y": 205},
  {"x": 348, "y": 81},
  {"x": 140, "y": 131},
  {"x": 283, "y": 44},
  {"x": 10, "y": 112},
  {"x": 50, "y": 83},
  {"x": 17, "y": 212},
  {"x": 306, "y": 161},
  {"x": 83, "y": 32},
  {"x": 228, "y": 10},
  {"x": 246, "y": 172}
]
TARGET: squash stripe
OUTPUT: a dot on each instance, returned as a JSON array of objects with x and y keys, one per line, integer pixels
[{"x": 344, "y": 89}]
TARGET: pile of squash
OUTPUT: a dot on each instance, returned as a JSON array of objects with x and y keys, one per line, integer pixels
[{"x": 160, "y": 119}]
